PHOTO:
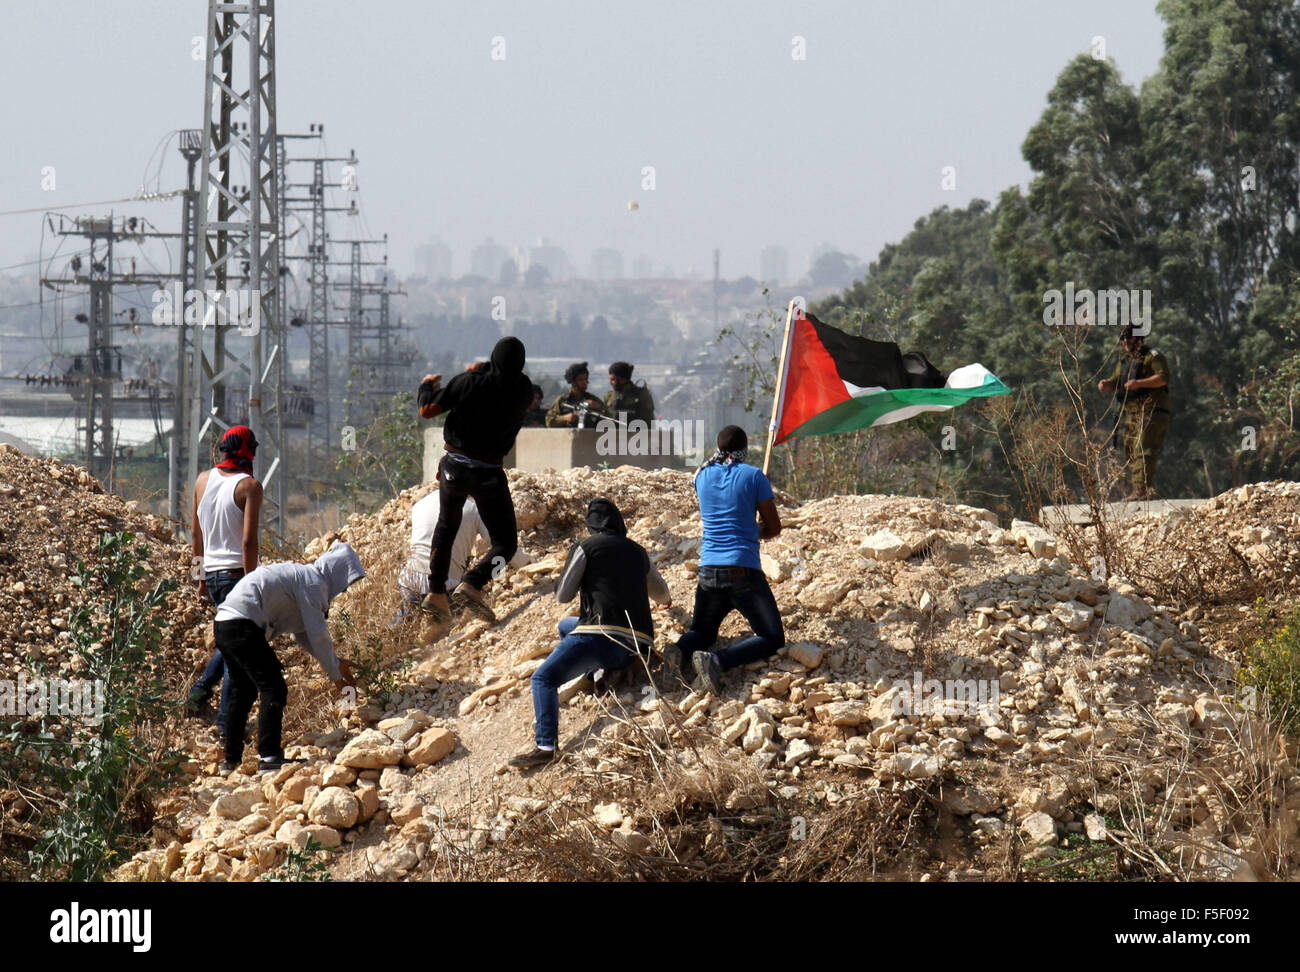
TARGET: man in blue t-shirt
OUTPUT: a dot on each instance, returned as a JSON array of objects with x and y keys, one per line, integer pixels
[{"x": 731, "y": 578}]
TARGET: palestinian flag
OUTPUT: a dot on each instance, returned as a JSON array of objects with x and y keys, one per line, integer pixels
[{"x": 835, "y": 382}]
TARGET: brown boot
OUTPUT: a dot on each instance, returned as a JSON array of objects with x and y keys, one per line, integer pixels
[
  {"x": 435, "y": 618},
  {"x": 466, "y": 597}
]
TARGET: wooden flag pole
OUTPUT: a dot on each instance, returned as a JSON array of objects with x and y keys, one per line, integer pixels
[{"x": 780, "y": 388}]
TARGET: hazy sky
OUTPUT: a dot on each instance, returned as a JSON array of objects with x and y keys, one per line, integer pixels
[{"x": 749, "y": 145}]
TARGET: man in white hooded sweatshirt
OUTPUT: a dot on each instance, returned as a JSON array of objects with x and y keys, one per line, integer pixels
[{"x": 272, "y": 600}]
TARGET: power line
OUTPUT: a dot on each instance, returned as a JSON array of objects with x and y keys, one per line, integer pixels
[
  {"x": 17, "y": 306},
  {"x": 143, "y": 197},
  {"x": 29, "y": 263}
]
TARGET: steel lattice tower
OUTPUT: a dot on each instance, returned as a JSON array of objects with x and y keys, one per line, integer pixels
[{"x": 238, "y": 241}]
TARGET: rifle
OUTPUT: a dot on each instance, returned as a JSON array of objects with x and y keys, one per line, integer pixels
[{"x": 585, "y": 411}]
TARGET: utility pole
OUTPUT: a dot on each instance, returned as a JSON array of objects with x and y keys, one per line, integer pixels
[
  {"x": 359, "y": 328},
  {"x": 238, "y": 240},
  {"x": 317, "y": 319},
  {"x": 191, "y": 148},
  {"x": 717, "y": 284},
  {"x": 103, "y": 361}
]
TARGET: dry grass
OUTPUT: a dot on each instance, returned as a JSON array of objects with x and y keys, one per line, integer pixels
[
  {"x": 1197, "y": 806},
  {"x": 693, "y": 809}
]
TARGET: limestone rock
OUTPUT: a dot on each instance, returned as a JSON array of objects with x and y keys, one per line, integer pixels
[
  {"x": 334, "y": 806},
  {"x": 1039, "y": 829},
  {"x": 969, "y": 798},
  {"x": 774, "y": 570},
  {"x": 1073, "y": 615},
  {"x": 327, "y": 837},
  {"x": 1094, "y": 825},
  {"x": 1127, "y": 612},
  {"x": 410, "y": 809},
  {"x": 797, "y": 752},
  {"x": 1212, "y": 714},
  {"x": 912, "y": 766},
  {"x": 399, "y": 730},
  {"x": 370, "y": 749},
  {"x": 758, "y": 731},
  {"x": 632, "y": 841},
  {"x": 608, "y": 815},
  {"x": 885, "y": 545},
  {"x": 851, "y": 712},
  {"x": 824, "y": 592},
  {"x": 392, "y": 861},
  {"x": 1033, "y": 538},
  {"x": 335, "y": 775},
  {"x": 367, "y": 795},
  {"x": 809, "y": 656},
  {"x": 434, "y": 744},
  {"x": 887, "y": 706},
  {"x": 238, "y": 803}
]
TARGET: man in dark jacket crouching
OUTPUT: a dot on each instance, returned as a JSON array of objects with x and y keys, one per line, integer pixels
[{"x": 616, "y": 580}]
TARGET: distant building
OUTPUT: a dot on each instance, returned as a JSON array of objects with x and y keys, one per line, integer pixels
[
  {"x": 545, "y": 254},
  {"x": 433, "y": 259},
  {"x": 607, "y": 264},
  {"x": 774, "y": 265},
  {"x": 643, "y": 268},
  {"x": 487, "y": 259}
]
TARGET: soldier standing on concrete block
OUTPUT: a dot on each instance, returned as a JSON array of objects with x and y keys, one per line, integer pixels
[
  {"x": 625, "y": 400},
  {"x": 1141, "y": 386},
  {"x": 731, "y": 577},
  {"x": 566, "y": 411},
  {"x": 536, "y": 417},
  {"x": 485, "y": 409}
]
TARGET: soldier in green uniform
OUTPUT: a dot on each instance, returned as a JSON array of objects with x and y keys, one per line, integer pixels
[
  {"x": 562, "y": 415},
  {"x": 635, "y": 400},
  {"x": 1141, "y": 386}
]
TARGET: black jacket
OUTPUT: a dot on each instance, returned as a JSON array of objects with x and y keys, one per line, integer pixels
[
  {"x": 486, "y": 408},
  {"x": 615, "y": 578}
]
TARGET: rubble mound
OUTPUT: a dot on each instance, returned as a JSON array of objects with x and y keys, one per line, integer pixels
[
  {"x": 51, "y": 516},
  {"x": 939, "y": 667},
  {"x": 1241, "y": 544},
  {"x": 956, "y": 700}
]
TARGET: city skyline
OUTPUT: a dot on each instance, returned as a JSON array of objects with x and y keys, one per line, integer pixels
[{"x": 729, "y": 126}]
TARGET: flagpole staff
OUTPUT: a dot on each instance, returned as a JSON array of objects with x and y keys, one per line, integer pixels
[{"x": 780, "y": 388}]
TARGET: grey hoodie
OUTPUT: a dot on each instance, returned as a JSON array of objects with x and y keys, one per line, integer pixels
[{"x": 294, "y": 599}]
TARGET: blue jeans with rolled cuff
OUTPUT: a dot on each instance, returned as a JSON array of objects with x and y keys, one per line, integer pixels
[
  {"x": 574, "y": 655},
  {"x": 220, "y": 584}
]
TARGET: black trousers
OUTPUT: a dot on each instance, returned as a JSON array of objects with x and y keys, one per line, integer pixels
[
  {"x": 491, "y": 493},
  {"x": 255, "y": 673}
]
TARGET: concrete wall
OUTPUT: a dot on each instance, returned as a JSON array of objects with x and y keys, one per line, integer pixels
[{"x": 539, "y": 449}]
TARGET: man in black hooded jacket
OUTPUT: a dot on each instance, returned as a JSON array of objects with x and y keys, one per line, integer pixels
[
  {"x": 485, "y": 407},
  {"x": 616, "y": 580}
]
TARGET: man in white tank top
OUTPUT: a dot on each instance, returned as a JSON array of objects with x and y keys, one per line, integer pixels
[
  {"x": 227, "y": 507},
  {"x": 414, "y": 577}
]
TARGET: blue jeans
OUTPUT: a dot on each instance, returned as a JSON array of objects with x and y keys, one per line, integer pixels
[
  {"x": 721, "y": 590},
  {"x": 574, "y": 655},
  {"x": 220, "y": 584}
]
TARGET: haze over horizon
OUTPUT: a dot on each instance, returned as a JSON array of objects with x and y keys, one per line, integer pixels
[{"x": 750, "y": 147}]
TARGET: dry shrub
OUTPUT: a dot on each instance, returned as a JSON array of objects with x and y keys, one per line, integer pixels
[
  {"x": 1190, "y": 568},
  {"x": 1170, "y": 780},
  {"x": 701, "y": 810}
]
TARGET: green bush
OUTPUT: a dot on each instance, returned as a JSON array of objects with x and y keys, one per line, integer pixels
[
  {"x": 309, "y": 863},
  {"x": 101, "y": 774},
  {"x": 1272, "y": 669}
]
